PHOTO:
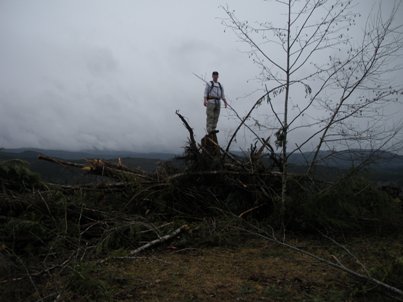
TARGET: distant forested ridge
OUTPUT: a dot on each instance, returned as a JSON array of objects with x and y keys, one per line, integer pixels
[{"x": 385, "y": 167}]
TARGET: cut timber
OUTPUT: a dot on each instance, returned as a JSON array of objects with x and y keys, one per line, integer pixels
[
  {"x": 160, "y": 240},
  {"x": 104, "y": 168}
]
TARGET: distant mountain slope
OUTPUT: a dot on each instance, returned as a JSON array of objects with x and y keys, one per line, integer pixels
[
  {"x": 385, "y": 166},
  {"x": 351, "y": 158}
]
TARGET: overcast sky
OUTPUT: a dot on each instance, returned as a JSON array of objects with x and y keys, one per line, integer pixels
[{"x": 102, "y": 74}]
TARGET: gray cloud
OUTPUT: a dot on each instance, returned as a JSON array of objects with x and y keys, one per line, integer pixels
[
  {"x": 110, "y": 75},
  {"x": 100, "y": 61}
]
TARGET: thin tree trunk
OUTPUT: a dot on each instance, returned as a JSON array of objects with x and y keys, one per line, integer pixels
[{"x": 285, "y": 123}]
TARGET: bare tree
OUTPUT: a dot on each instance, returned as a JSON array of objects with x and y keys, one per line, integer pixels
[{"x": 332, "y": 82}]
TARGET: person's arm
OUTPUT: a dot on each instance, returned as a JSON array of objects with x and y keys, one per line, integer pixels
[
  {"x": 223, "y": 97},
  {"x": 225, "y": 102}
]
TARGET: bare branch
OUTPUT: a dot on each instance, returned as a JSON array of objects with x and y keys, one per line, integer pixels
[{"x": 240, "y": 28}]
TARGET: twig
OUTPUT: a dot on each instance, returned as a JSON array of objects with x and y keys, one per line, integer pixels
[
  {"x": 244, "y": 119},
  {"x": 36, "y": 274},
  {"x": 29, "y": 275},
  {"x": 348, "y": 252},
  {"x": 250, "y": 210},
  {"x": 139, "y": 192}
]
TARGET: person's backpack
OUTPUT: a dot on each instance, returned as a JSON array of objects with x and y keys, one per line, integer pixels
[{"x": 212, "y": 86}]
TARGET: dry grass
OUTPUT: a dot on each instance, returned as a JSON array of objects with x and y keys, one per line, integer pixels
[
  {"x": 258, "y": 272},
  {"x": 255, "y": 270}
]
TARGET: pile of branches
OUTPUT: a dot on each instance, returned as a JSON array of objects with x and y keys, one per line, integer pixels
[
  {"x": 204, "y": 186},
  {"x": 212, "y": 180}
]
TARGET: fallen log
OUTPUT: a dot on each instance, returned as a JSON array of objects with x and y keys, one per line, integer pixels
[
  {"x": 103, "y": 168},
  {"x": 162, "y": 239},
  {"x": 92, "y": 187}
]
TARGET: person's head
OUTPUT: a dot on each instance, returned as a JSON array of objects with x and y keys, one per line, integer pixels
[{"x": 215, "y": 76}]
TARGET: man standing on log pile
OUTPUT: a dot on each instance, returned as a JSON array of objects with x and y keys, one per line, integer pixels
[{"x": 213, "y": 94}]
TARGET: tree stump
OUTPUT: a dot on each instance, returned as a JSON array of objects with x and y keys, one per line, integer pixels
[{"x": 210, "y": 145}]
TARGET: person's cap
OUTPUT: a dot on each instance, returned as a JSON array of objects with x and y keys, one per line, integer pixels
[{"x": 215, "y": 72}]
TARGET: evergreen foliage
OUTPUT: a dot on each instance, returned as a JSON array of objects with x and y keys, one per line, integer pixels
[
  {"x": 353, "y": 204},
  {"x": 16, "y": 175}
]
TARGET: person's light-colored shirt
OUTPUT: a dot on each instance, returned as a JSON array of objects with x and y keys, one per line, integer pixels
[{"x": 216, "y": 92}]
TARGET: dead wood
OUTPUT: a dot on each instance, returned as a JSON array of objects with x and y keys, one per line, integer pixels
[
  {"x": 61, "y": 162},
  {"x": 162, "y": 239},
  {"x": 39, "y": 273},
  {"x": 116, "y": 186},
  {"x": 250, "y": 210},
  {"x": 209, "y": 144},
  {"x": 192, "y": 142},
  {"x": 103, "y": 168}
]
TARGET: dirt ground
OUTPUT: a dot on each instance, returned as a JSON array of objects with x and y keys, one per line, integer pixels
[
  {"x": 257, "y": 271},
  {"x": 252, "y": 270}
]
